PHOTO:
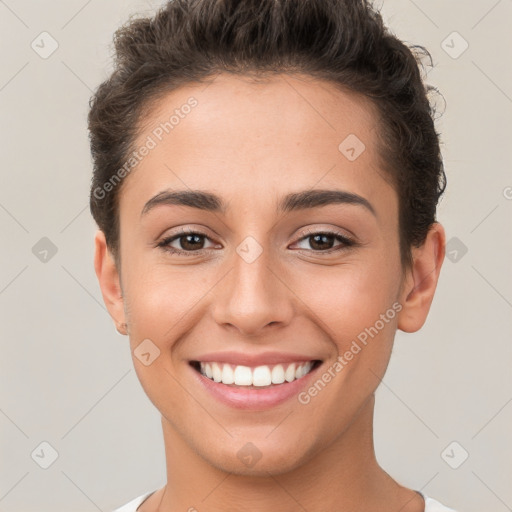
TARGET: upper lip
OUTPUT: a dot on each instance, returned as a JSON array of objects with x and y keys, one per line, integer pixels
[{"x": 244, "y": 359}]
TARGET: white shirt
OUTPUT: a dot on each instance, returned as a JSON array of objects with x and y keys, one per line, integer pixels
[{"x": 431, "y": 505}]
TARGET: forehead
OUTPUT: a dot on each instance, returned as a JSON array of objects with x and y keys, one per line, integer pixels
[{"x": 256, "y": 138}]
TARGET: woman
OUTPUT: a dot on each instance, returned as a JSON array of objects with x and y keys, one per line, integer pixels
[{"x": 266, "y": 175}]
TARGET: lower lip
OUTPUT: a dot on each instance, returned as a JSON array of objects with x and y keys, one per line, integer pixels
[{"x": 254, "y": 398}]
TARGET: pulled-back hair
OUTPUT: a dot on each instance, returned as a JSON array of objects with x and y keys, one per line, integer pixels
[{"x": 344, "y": 42}]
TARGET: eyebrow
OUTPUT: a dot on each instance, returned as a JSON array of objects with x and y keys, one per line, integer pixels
[{"x": 295, "y": 201}]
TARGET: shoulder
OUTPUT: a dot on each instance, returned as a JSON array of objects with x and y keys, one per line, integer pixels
[
  {"x": 432, "y": 505},
  {"x": 132, "y": 505}
]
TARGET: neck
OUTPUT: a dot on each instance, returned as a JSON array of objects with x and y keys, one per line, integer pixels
[{"x": 343, "y": 476}]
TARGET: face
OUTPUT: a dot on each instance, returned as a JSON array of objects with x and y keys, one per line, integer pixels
[{"x": 264, "y": 271}]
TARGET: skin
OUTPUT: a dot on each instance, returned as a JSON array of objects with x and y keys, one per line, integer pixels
[{"x": 252, "y": 143}]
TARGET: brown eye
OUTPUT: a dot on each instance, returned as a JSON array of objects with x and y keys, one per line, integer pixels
[
  {"x": 188, "y": 243},
  {"x": 324, "y": 241},
  {"x": 321, "y": 241}
]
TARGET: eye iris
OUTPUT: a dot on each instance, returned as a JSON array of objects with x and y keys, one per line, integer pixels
[
  {"x": 186, "y": 237},
  {"x": 321, "y": 237}
]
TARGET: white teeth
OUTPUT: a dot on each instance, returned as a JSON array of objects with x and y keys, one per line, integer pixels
[
  {"x": 259, "y": 376},
  {"x": 208, "y": 370},
  {"x": 217, "y": 372},
  {"x": 243, "y": 376},
  {"x": 289, "y": 374},
  {"x": 303, "y": 370},
  {"x": 278, "y": 374},
  {"x": 227, "y": 375}
]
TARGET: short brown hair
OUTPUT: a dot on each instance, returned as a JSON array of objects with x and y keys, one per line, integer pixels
[{"x": 342, "y": 41}]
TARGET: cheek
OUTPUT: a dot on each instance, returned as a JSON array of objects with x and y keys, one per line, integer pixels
[
  {"x": 158, "y": 299},
  {"x": 164, "y": 305},
  {"x": 356, "y": 306},
  {"x": 160, "y": 304}
]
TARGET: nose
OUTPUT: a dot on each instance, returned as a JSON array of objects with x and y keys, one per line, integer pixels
[{"x": 254, "y": 296}]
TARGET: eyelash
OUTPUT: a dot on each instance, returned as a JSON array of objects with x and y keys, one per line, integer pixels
[{"x": 346, "y": 242}]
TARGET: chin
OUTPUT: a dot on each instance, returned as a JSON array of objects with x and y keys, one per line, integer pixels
[{"x": 252, "y": 461}]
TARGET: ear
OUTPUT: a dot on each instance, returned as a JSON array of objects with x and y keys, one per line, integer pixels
[
  {"x": 420, "y": 283},
  {"x": 109, "y": 281}
]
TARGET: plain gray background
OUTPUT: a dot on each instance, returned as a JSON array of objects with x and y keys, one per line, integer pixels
[{"x": 67, "y": 377}]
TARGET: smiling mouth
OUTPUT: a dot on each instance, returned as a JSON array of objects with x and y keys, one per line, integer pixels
[{"x": 262, "y": 376}]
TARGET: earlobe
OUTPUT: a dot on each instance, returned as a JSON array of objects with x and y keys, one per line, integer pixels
[
  {"x": 420, "y": 284},
  {"x": 109, "y": 281}
]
